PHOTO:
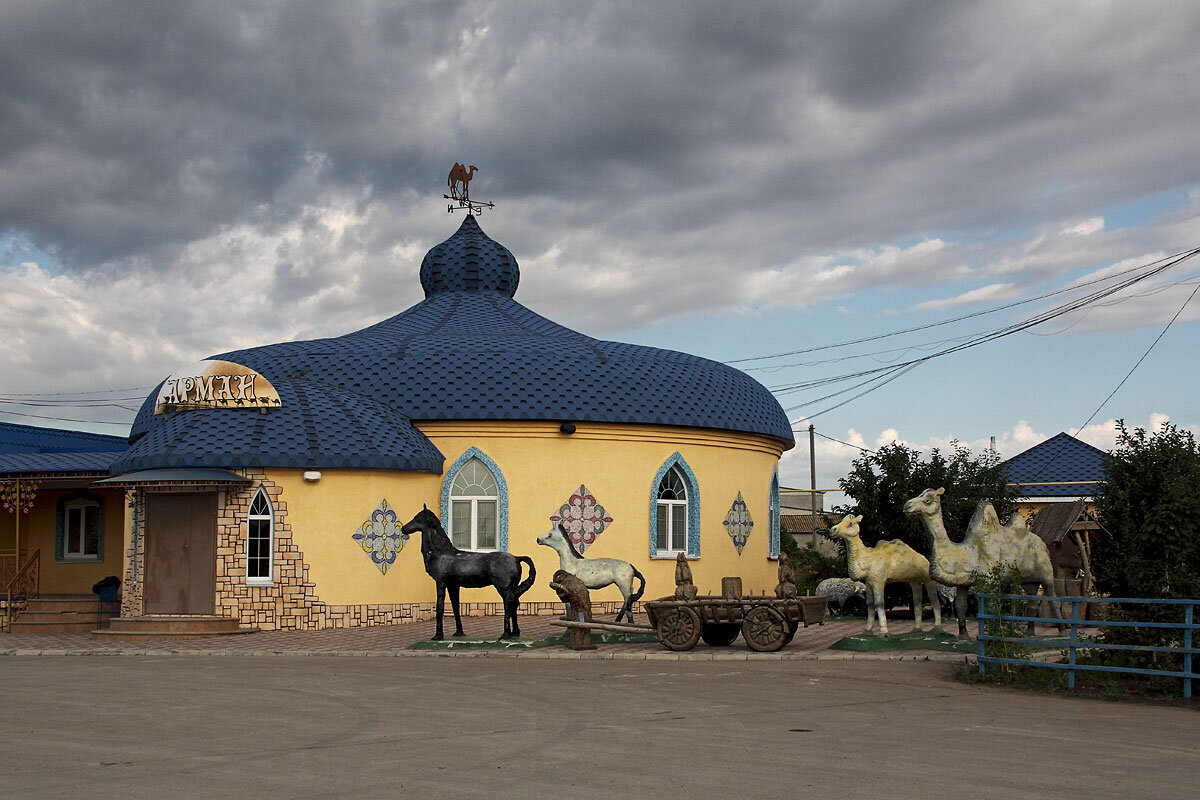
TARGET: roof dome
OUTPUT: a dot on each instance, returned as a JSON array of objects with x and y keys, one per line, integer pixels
[
  {"x": 469, "y": 351},
  {"x": 469, "y": 261}
]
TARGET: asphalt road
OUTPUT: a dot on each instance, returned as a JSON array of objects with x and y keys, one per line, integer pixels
[{"x": 354, "y": 727}]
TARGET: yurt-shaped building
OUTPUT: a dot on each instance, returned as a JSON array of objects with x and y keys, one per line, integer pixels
[{"x": 269, "y": 484}]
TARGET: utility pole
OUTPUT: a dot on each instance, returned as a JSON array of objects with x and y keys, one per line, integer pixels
[{"x": 812, "y": 472}]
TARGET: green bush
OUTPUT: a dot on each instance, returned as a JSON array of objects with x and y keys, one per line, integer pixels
[
  {"x": 812, "y": 566},
  {"x": 1004, "y": 578}
]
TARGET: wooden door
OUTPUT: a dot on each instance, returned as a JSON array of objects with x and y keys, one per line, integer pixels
[{"x": 181, "y": 553}]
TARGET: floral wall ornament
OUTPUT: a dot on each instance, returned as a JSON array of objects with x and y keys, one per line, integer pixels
[
  {"x": 380, "y": 536},
  {"x": 738, "y": 523},
  {"x": 583, "y": 517}
]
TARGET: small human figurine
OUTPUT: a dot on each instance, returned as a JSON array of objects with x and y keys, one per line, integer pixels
[
  {"x": 786, "y": 589},
  {"x": 574, "y": 593},
  {"x": 684, "y": 589}
]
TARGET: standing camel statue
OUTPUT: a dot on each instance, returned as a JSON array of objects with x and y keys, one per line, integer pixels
[
  {"x": 459, "y": 180},
  {"x": 886, "y": 563},
  {"x": 596, "y": 573},
  {"x": 987, "y": 544},
  {"x": 452, "y": 569}
]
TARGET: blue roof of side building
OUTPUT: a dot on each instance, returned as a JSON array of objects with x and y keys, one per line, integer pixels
[
  {"x": 97, "y": 461},
  {"x": 469, "y": 351},
  {"x": 33, "y": 439},
  {"x": 1052, "y": 468}
]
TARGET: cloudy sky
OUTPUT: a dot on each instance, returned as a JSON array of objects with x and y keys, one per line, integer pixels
[{"x": 734, "y": 180}]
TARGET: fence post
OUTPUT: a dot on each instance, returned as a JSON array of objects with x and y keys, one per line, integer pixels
[
  {"x": 979, "y": 619},
  {"x": 1187, "y": 646},
  {"x": 1074, "y": 643}
]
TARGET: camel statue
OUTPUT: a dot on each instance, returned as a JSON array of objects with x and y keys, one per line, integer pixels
[
  {"x": 886, "y": 563},
  {"x": 459, "y": 179},
  {"x": 987, "y": 544}
]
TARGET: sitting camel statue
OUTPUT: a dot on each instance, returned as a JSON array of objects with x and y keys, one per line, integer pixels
[
  {"x": 596, "y": 573},
  {"x": 987, "y": 544},
  {"x": 882, "y": 564}
]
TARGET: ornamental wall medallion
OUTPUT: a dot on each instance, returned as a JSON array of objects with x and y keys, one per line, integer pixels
[
  {"x": 583, "y": 517},
  {"x": 738, "y": 523},
  {"x": 380, "y": 536}
]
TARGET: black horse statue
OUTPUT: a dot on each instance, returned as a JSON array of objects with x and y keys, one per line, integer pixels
[{"x": 452, "y": 569}]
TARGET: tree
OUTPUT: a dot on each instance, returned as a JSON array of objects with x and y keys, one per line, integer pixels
[
  {"x": 879, "y": 483},
  {"x": 1150, "y": 506}
]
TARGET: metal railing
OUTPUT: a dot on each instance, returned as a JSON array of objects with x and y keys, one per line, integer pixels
[
  {"x": 1074, "y": 645},
  {"x": 24, "y": 586}
]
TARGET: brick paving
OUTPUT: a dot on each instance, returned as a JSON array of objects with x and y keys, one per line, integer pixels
[{"x": 394, "y": 640}]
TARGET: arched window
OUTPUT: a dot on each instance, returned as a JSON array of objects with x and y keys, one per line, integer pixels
[
  {"x": 260, "y": 530},
  {"x": 475, "y": 503},
  {"x": 773, "y": 519},
  {"x": 672, "y": 513},
  {"x": 675, "y": 511}
]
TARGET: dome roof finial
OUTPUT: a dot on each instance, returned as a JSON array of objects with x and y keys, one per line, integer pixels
[
  {"x": 469, "y": 261},
  {"x": 460, "y": 190}
]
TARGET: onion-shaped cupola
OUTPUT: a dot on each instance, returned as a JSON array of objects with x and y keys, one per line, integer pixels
[{"x": 469, "y": 261}]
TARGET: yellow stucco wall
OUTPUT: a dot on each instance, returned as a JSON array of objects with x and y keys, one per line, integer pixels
[
  {"x": 542, "y": 467},
  {"x": 38, "y": 529}
]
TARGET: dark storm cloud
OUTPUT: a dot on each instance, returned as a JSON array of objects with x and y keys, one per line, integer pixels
[{"x": 675, "y": 134}]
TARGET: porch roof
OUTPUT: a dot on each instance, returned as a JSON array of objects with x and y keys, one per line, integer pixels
[{"x": 193, "y": 475}]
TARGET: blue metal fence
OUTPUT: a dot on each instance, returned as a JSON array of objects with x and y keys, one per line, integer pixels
[{"x": 1074, "y": 623}]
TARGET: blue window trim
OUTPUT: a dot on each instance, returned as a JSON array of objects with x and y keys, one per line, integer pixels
[
  {"x": 60, "y": 532},
  {"x": 448, "y": 478},
  {"x": 693, "y": 506},
  {"x": 773, "y": 513}
]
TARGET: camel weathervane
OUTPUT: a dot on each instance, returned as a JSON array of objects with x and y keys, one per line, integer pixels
[{"x": 459, "y": 182}]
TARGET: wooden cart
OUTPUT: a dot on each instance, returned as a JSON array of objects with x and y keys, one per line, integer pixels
[{"x": 766, "y": 623}]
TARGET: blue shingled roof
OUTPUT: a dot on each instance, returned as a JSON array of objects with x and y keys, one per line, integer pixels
[
  {"x": 316, "y": 425},
  {"x": 33, "y": 439},
  {"x": 469, "y": 351},
  {"x": 30, "y": 463},
  {"x": 1049, "y": 469}
]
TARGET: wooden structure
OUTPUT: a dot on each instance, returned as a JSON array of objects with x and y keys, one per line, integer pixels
[
  {"x": 1067, "y": 529},
  {"x": 766, "y": 623}
]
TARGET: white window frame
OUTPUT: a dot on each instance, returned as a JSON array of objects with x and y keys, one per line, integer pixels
[
  {"x": 85, "y": 506},
  {"x": 673, "y": 509},
  {"x": 269, "y": 518},
  {"x": 475, "y": 500}
]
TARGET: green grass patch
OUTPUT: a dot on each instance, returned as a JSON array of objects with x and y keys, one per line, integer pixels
[
  {"x": 912, "y": 640},
  {"x": 463, "y": 643},
  {"x": 607, "y": 637}
]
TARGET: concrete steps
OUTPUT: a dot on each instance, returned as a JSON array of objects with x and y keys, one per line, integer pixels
[
  {"x": 170, "y": 626},
  {"x": 64, "y": 614}
]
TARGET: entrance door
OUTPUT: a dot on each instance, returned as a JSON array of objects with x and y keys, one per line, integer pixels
[{"x": 181, "y": 553}]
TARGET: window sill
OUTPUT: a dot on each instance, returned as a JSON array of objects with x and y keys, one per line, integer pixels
[
  {"x": 260, "y": 582},
  {"x": 672, "y": 557},
  {"x": 79, "y": 560}
]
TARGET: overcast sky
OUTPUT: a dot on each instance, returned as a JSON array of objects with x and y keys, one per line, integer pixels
[{"x": 734, "y": 180}]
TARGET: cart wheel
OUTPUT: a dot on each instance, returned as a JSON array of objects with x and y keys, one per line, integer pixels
[
  {"x": 719, "y": 634},
  {"x": 678, "y": 628},
  {"x": 764, "y": 629},
  {"x": 792, "y": 626}
]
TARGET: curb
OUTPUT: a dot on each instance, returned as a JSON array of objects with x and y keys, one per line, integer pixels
[{"x": 541, "y": 653}]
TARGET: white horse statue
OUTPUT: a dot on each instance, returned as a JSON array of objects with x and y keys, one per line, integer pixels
[{"x": 596, "y": 573}]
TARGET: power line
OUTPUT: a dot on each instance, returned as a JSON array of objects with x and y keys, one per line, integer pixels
[
  {"x": 886, "y": 375},
  {"x": 64, "y": 419},
  {"x": 1173, "y": 259},
  {"x": 1143, "y": 358}
]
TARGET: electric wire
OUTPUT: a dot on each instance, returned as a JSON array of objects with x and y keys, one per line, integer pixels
[
  {"x": 1143, "y": 358},
  {"x": 1154, "y": 269}
]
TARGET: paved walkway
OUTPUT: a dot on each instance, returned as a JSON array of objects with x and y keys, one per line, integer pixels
[{"x": 394, "y": 640}]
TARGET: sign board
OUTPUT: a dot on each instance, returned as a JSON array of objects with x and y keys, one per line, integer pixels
[{"x": 215, "y": 384}]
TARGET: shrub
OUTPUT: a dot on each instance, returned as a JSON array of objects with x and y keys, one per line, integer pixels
[{"x": 1004, "y": 578}]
